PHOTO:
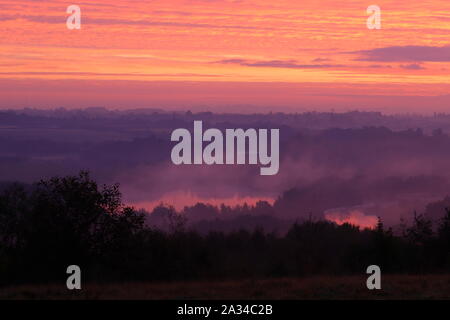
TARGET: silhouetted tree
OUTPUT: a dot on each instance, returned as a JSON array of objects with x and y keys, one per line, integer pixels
[
  {"x": 63, "y": 221},
  {"x": 421, "y": 231}
]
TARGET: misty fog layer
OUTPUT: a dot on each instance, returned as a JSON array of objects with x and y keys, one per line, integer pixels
[{"x": 345, "y": 167}]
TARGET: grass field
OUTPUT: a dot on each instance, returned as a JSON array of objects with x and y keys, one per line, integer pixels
[{"x": 323, "y": 287}]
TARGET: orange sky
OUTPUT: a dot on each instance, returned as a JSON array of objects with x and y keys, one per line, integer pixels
[{"x": 212, "y": 53}]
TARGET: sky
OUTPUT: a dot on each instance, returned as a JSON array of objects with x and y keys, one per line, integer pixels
[{"x": 226, "y": 55}]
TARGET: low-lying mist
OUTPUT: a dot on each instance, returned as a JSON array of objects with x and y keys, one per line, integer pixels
[{"x": 351, "y": 167}]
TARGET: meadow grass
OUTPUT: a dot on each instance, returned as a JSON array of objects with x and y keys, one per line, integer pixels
[{"x": 317, "y": 287}]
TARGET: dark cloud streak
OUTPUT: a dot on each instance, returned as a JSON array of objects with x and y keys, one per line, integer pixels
[
  {"x": 289, "y": 64},
  {"x": 405, "y": 54}
]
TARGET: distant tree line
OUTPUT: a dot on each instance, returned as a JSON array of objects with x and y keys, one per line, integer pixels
[{"x": 72, "y": 220}]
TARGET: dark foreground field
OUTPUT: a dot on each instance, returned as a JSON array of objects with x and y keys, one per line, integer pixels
[{"x": 324, "y": 287}]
